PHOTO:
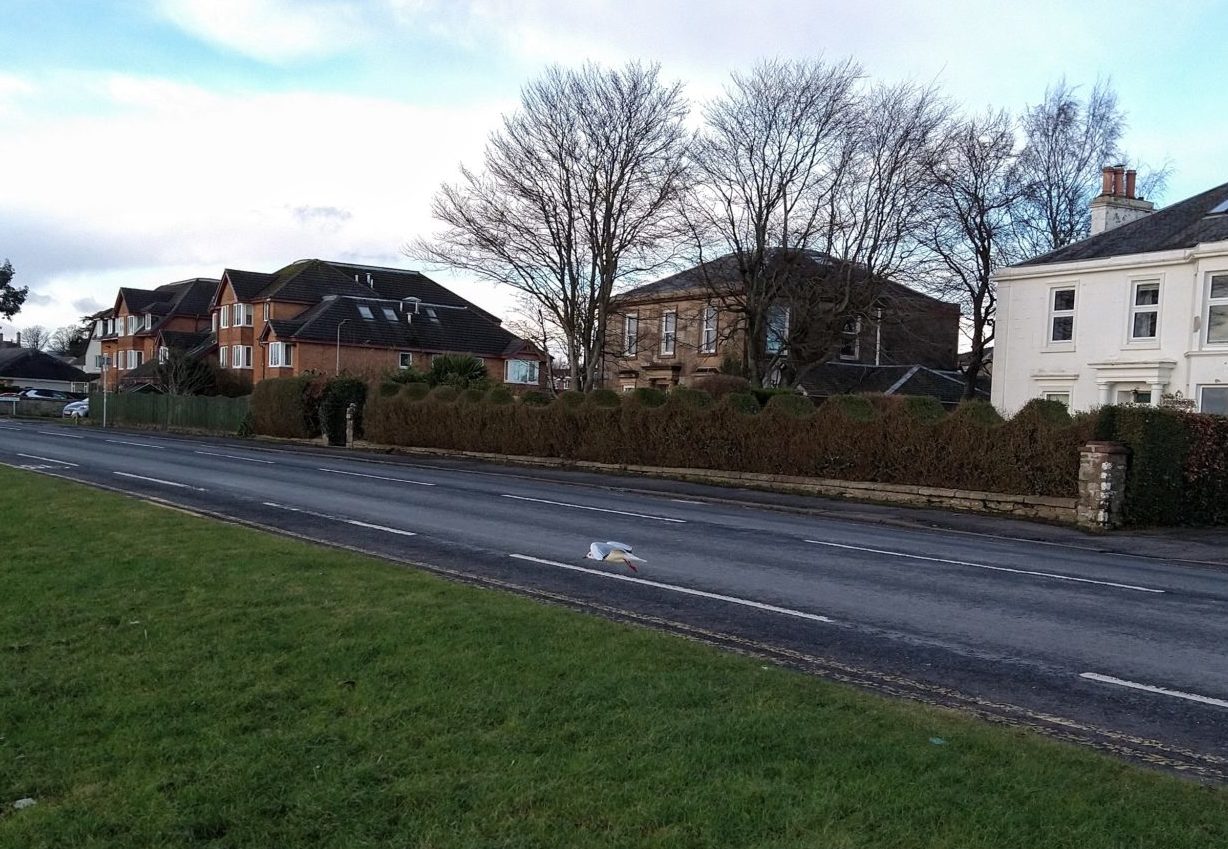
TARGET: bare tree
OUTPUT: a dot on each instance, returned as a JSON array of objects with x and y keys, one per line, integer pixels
[
  {"x": 1067, "y": 142},
  {"x": 812, "y": 186},
  {"x": 178, "y": 373},
  {"x": 35, "y": 336},
  {"x": 974, "y": 199},
  {"x": 71, "y": 340},
  {"x": 574, "y": 198}
]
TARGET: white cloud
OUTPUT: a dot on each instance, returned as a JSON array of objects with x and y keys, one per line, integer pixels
[
  {"x": 177, "y": 181},
  {"x": 272, "y": 30}
]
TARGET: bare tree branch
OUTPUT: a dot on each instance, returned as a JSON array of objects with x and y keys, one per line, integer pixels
[{"x": 575, "y": 197}]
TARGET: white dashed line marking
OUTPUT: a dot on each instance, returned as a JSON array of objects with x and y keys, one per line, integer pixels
[
  {"x": 745, "y": 602},
  {"x": 231, "y": 457},
  {"x": 1052, "y": 575},
  {"x": 376, "y": 477},
  {"x": 160, "y": 480},
  {"x": 597, "y": 509},
  {"x": 1147, "y": 688},
  {"x": 48, "y": 459}
]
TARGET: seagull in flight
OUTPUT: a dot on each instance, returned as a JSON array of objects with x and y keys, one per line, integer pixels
[{"x": 614, "y": 552}]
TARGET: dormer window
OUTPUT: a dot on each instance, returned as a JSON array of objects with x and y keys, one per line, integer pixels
[
  {"x": 133, "y": 324},
  {"x": 148, "y": 321}
]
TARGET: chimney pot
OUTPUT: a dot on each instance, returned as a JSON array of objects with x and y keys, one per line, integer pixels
[
  {"x": 1130, "y": 177},
  {"x": 1106, "y": 180},
  {"x": 1120, "y": 176}
]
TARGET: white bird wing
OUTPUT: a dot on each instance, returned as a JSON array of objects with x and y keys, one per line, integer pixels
[{"x": 597, "y": 551}]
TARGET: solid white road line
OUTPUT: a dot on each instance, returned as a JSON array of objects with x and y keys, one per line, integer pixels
[
  {"x": 379, "y": 527},
  {"x": 685, "y": 501},
  {"x": 745, "y": 602},
  {"x": 375, "y": 477},
  {"x": 597, "y": 509},
  {"x": 1052, "y": 575},
  {"x": 137, "y": 444},
  {"x": 18, "y": 429},
  {"x": 53, "y": 433},
  {"x": 1163, "y": 691},
  {"x": 232, "y": 457},
  {"x": 159, "y": 480},
  {"x": 48, "y": 459}
]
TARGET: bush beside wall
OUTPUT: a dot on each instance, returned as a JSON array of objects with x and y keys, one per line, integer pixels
[{"x": 886, "y": 440}]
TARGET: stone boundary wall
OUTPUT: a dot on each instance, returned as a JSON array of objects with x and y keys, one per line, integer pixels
[{"x": 1046, "y": 508}]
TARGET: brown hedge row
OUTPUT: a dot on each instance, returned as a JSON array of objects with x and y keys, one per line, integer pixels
[{"x": 888, "y": 440}]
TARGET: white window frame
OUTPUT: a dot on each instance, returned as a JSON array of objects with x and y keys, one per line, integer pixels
[
  {"x": 1058, "y": 395},
  {"x": 274, "y": 355},
  {"x": 266, "y": 310},
  {"x": 223, "y": 356},
  {"x": 707, "y": 329},
  {"x": 236, "y": 314},
  {"x": 631, "y": 333},
  {"x": 1202, "y": 391},
  {"x": 215, "y": 321},
  {"x": 1208, "y": 304},
  {"x": 119, "y": 360},
  {"x": 133, "y": 324},
  {"x": 1054, "y": 314},
  {"x": 532, "y": 365},
  {"x": 243, "y": 356},
  {"x": 225, "y": 316},
  {"x": 669, "y": 337},
  {"x": 405, "y": 359},
  {"x": 149, "y": 321},
  {"x": 855, "y": 334},
  {"x": 164, "y": 354},
  {"x": 1137, "y": 309}
]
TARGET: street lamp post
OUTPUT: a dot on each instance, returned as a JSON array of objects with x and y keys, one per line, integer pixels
[{"x": 340, "y": 324}]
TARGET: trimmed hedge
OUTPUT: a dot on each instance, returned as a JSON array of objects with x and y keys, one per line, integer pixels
[
  {"x": 287, "y": 407},
  {"x": 1178, "y": 472},
  {"x": 889, "y": 440}
]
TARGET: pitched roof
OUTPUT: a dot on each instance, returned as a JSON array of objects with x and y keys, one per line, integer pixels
[
  {"x": 182, "y": 340},
  {"x": 393, "y": 324},
  {"x": 309, "y": 280},
  {"x": 1182, "y": 225},
  {"x": 185, "y": 297},
  {"x": 29, "y": 364},
  {"x": 724, "y": 271},
  {"x": 836, "y": 378}
]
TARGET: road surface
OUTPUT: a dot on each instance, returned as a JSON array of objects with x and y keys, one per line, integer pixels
[{"x": 1124, "y": 653}]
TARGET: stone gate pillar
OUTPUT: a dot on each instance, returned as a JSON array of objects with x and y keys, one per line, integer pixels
[{"x": 1102, "y": 485}]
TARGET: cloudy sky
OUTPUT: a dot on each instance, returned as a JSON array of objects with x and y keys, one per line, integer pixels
[{"x": 145, "y": 142}]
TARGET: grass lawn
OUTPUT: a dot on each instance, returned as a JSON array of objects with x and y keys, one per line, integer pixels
[{"x": 170, "y": 681}]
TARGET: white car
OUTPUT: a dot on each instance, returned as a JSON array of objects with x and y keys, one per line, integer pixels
[{"x": 77, "y": 409}]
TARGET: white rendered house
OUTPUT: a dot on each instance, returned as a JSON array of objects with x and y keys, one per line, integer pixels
[{"x": 1136, "y": 312}]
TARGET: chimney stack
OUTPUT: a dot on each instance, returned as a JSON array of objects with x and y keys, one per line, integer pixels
[{"x": 1116, "y": 203}]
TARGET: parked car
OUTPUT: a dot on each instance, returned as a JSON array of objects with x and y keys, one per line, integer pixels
[
  {"x": 77, "y": 409},
  {"x": 44, "y": 395}
]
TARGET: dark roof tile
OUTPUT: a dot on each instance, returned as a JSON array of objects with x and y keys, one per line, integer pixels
[
  {"x": 1182, "y": 225},
  {"x": 28, "y": 364}
]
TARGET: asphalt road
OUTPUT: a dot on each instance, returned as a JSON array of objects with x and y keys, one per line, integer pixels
[{"x": 1124, "y": 653}]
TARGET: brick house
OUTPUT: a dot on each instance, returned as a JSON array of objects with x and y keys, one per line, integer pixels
[
  {"x": 328, "y": 317},
  {"x": 675, "y": 330},
  {"x": 130, "y": 334}
]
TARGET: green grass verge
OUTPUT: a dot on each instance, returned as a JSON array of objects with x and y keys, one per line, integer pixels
[{"x": 170, "y": 681}]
